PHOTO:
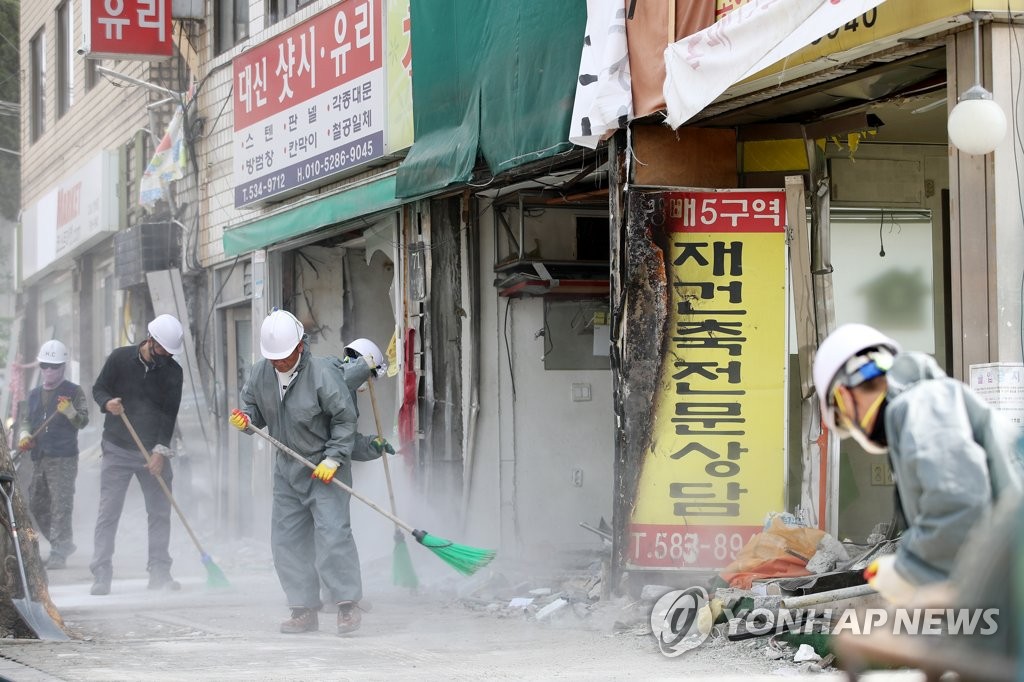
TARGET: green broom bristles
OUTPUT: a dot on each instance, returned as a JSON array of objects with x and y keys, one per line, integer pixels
[
  {"x": 463, "y": 558},
  {"x": 214, "y": 576},
  {"x": 402, "y": 572}
]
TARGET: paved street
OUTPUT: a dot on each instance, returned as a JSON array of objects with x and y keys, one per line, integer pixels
[{"x": 450, "y": 629}]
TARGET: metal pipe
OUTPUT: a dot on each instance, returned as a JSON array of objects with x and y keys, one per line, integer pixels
[{"x": 824, "y": 597}]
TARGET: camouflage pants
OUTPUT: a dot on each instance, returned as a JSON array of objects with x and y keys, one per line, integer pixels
[{"x": 52, "y": 501}]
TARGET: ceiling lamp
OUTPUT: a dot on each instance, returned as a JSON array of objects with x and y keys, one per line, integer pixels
[{"x": 977, "y": 124}]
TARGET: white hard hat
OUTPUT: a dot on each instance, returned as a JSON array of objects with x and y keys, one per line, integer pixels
[
  {"x": 834, "y": 356},
  {"x": 53, "y": 352},
  {"x": 280, "y": 334},
  {"x": 367, "y": 348},
  {"x": 166, "y": 330}
]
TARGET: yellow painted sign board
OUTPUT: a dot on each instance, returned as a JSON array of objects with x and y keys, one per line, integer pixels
[{"x": 716, "y": 462}]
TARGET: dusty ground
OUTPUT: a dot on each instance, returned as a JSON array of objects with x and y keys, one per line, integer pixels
[{"x": 452, "y": 628}]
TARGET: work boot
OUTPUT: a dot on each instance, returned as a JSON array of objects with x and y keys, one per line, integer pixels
[
  {"x": 162, "y": 580},
  {"x": 302, "y": 620},
  {"x": 349, "y": 617},
  {"x": 56, "y": 561},
  {"x": 100, "y": 586}
]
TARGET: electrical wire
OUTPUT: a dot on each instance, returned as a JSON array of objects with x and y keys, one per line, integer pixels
[{"x": 508, "y": 350}]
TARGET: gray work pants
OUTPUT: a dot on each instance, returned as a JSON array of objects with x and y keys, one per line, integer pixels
[
  {"x": 52, "y": 501},
  {"x": 311, "y": 537},
  {"x": 119, "y": 466}
]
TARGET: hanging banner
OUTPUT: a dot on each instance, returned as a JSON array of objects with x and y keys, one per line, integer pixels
[
  {"x": 700, "y": 67},
  {"x": 716, "y": 462}
]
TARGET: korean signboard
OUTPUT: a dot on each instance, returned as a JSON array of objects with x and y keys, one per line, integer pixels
[
  {"x": 715, "y": 465},
  {"x": 80, "y": 211},
  {"x": 126, "y": 29},
  {"x": 310, "y": 103}
]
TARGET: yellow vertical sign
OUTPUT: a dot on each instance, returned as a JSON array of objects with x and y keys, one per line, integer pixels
[
  {"x": 398, "y": 68},
  {"x": 716, "y": 462}
]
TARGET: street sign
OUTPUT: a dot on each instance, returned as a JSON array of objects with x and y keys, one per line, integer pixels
[{"x": 127, "y": 29}]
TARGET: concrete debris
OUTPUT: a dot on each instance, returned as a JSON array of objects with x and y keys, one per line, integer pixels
[
  {"x": 541, "y": 592},
  {"x": 775, "y": 654},
  {"x": 551, "y": 609},
  {"x": 830, "y": 553},
  {"x": 806, "y": 653},
  {"x": 654, "y": 592},
  {"x": 520, "y": 602}
]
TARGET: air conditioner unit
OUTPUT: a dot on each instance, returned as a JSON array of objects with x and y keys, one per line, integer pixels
[{"x": 144, "y": 248}]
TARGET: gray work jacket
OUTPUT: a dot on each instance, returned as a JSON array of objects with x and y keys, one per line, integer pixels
[
  {"x": 953, "y": 455},
  {"x": 316, "y": 417}
]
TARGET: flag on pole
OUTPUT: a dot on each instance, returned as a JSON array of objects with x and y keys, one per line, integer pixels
[{"x": 168, "y": 163}]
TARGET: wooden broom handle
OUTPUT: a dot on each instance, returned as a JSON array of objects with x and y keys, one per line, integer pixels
[{"x": 383, "y": 455}]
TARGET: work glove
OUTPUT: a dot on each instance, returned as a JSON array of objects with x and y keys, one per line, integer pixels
[
  {"x": 381, "y": 446},
  {"x": 886, "y": 580},
  {"x": 163, "y": 451},
  {"x": 239, "y": 419},
  {"x": 325, "y": 469},
  {"x": 66, "y": 407},
  {"x": 372, "y": 363},
  {"x": 25, "y": 442}
]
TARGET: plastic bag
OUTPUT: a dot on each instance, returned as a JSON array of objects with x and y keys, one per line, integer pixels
[{"x": 780, "y": 551}]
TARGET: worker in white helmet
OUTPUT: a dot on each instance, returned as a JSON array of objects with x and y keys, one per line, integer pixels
[
  {"x": 952, "y": 455},
  {"x": 363, "y": 359},
  {"x": 50, "y": 420},
  {"x": 301, "y": 402},
  {"x": 143, "y": 382}
]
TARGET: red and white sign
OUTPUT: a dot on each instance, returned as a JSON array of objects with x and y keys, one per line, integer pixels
[
  {"x": 310, "y": 104},
  {"x": 126, "y": 29}
]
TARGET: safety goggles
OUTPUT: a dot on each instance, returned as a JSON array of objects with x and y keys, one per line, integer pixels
[{"x": 48, "y": 365}]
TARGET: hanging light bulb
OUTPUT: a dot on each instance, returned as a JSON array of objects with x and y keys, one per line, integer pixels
[{"x": 977, "y": 123}]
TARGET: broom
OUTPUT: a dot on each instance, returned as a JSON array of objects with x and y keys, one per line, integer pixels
[
  {"x": 214, "y": 576},
  {"x": 463, "y": 558},
  {"x": 402, "y": 572}
]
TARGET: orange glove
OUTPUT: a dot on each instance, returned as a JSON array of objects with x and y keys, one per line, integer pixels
[{"x": 239, "y": 419}]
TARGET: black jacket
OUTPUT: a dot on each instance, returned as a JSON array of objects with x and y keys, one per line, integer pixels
[{"x": 150, "y": 397}]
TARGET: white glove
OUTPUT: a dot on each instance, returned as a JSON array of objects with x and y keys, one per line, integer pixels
[
  {"x": 163, "y": 451},
  {"x": 887, "y": 581}
]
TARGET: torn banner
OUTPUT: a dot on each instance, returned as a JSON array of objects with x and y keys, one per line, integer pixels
[
  {"x": 604, "y": 100},
  {"x": 752, "y": 37},
  {"x": 168, "y": 162}
]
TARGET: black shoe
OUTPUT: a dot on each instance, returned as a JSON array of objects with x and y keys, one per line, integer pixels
[
  {"x": 302, "y": 620},
  {"x": 100, "y": 586},
  {"x": 163, "y": 581}
]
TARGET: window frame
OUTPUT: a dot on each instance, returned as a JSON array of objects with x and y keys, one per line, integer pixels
[
  {"x": 65, "y": 20},
  {"x": 228, "y": 31},
  {"x": 37, "y": 84},
  {"x": 276, "y": 10}
]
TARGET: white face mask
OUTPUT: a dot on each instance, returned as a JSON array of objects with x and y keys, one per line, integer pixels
[{"x": 52, "y": 377}]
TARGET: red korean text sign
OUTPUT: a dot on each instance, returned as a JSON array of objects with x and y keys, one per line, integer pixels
[{"x": 128, "y": 29}]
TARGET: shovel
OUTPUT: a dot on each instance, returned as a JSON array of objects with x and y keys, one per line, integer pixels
[{"x": 32, "y": 612}]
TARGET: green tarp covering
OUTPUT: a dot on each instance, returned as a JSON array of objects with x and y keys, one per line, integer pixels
[
  {"x": 371, "y": 197},
  {"x": 498, "y": 77}
]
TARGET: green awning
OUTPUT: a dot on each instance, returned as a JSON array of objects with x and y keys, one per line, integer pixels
[
  {"x": 371, "y": 197},
  {"x": 489, "y": 77}
]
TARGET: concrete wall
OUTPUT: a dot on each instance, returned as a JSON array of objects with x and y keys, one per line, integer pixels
[{"x": 528, "y": 445}]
